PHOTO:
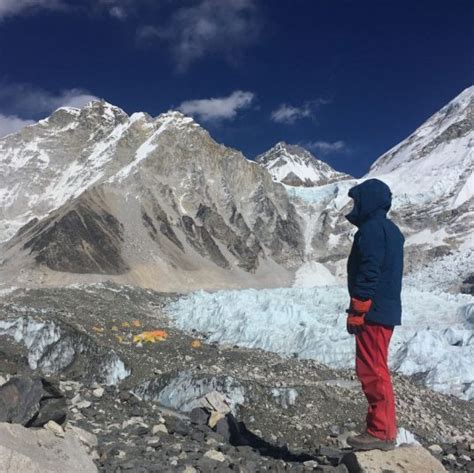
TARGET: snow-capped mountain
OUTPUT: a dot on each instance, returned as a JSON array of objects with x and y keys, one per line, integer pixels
[
  {"x": 431, "y": 177},
  {"x": 431, "y": 174},
  {"x": 149, "y": 201},
  {"x": 436, "y": 162},
  {"x": 296, "y": 166},
  {"x": 45, "y": 164}
]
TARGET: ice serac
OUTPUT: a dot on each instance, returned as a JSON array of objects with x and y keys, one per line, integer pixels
[
  {"x": 154, "y": 202},
  {"x": 295, "y": 166},
  {"x": 436, "y": 334}
]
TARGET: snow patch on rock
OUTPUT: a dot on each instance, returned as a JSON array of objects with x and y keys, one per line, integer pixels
[
  {"x": 286, "y": 397},
  {"x": 405, "y": 437}
]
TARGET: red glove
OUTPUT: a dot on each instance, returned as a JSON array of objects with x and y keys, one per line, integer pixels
[{"x": 356, "y": 315}]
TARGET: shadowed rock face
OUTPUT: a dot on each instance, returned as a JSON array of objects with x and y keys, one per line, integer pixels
[
  {"x": 200, "y": 239},
  {"x": 84, "y": 240},
  {"x": 241, "y": 245},
  {"x": 157, "y": 223}
]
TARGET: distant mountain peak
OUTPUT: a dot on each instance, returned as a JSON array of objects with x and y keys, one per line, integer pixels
[{"x": 296, "y": 166}]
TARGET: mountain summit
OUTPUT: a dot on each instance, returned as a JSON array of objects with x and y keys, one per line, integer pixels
[
  {"x": 58, "y": 158},
  {"x": 295, "y": 166}
]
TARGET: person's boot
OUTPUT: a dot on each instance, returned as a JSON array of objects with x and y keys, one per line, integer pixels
[{"x": 366, "y": 441}]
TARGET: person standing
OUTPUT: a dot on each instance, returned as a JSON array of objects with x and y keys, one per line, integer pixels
[{"x": 375, "y": 270}]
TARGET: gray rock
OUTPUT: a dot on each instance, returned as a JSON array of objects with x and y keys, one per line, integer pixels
[
  {"x": 215, "y": 455},
  {"x": 56, "y": 429},
  {"x": 98, "y": 392},
  {"x": 228, "y": 428},
  {"x": 159, "y": 429},
  {"x": 436, "y": 449},
  {"x": 31, "y": 402},
  {"x": 400, "y": 460},
  {"x": 83, "y": 404},
  {"x": 330, "y": 452},
  {"x": 310, "y": 464},
  {"x": 199, "y": 416},
  {"x": 175, "y": 425}
]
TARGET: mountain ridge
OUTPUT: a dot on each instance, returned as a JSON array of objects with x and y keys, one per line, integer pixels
[{"x": 159, "y": 204}]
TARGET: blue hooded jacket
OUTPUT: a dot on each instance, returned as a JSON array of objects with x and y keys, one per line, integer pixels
[{"x": 375, "y": 265}]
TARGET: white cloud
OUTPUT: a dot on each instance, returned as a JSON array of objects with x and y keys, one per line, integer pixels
[
  {"x": 326, "y": 147},
  {"x": 11, "y": 124},
  {"x": 207, "y": 27},
  {"x": 219, "y": 108},
  {"x": 25, "y": 100},
  {"x": 118, "y": 12},
  {"x": 289, "y": 114},
  {"x": 72, "y": 98},
  {"x": 117, "y": 8},
  {"x": 15, "y": 7}
]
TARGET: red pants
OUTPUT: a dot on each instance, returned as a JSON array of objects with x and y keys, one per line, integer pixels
[{"x": 374, "y": 375}]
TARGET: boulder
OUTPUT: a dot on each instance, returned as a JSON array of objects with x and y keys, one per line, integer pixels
[
  {"x": 400, "y": 460},
  {"x": 32, "y": 402},
  {"x": 199, "y": 416},
  {"x": 215, "y": 401},
  {"x": 24, "y": 450}
]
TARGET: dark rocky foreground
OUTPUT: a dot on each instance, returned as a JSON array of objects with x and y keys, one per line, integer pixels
[{"x": 143, "y": 400}]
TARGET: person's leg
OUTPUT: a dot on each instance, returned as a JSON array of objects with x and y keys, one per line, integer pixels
[{"x": 373, "y": 372}]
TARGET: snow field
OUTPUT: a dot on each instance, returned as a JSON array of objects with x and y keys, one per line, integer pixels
[
  {"x": 313, "y": 274},
  {"x": 437, "y": 336}
]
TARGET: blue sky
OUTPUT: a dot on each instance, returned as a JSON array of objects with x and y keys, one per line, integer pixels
[{"x": 347, "y": 79}]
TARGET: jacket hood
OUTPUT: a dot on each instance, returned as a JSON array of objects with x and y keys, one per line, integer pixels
[{"x": 371, "y": 197}]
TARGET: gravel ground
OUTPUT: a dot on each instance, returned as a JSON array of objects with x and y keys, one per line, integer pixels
[{"x": 290, "y": 414}]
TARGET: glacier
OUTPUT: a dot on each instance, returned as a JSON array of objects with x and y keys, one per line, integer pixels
[{"x": 436, "y": 338}]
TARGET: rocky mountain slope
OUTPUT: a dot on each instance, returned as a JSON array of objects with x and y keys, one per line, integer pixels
[
  {"x": 152, "y": 202},
  {"x": 296, "y": 166}
]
